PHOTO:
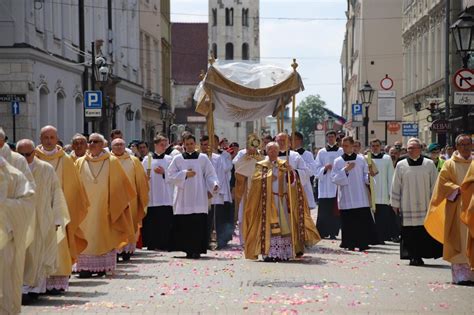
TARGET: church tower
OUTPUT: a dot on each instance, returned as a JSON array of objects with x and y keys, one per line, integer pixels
[
  {"x": 234, "y": 29},
  {"x": 234, "y": 34}
]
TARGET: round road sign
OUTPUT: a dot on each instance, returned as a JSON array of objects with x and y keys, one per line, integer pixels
[{"x": 386, "y": 83}]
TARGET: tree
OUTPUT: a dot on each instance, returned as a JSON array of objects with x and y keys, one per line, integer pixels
[{"x": 310, "y": 112}]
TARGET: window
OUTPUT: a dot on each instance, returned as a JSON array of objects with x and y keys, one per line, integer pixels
[
  {"x": 229, "y": 16},
  {"x": 229, "y": 51},
  {"x": 245, "y": 17},
  {"x": 214, "y": 17},
  {"x": 214, "y": 50},
  {"x": 245, "y": 51}
]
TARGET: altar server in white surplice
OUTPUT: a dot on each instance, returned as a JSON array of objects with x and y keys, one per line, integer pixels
[
  {"x": 220, "y": 214},
  {"x": 386, "y": 220},
  {"x": 51, "y": 218},
  {"x": 328, "y": 221},
  {"x": 16, "y": 211},
  {"x": 351, "y": 175},
  {"x": 295, "y": 160},
  {"x": 158, "y": 221},
  {"x": 195, "y": 180},
  {"x": 308, "y": 158}
]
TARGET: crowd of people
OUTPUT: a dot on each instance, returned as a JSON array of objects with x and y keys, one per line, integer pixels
[{"x": 84, "y": 206}]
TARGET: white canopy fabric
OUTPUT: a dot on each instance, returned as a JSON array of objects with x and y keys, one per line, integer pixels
[{"x": 243, "y": 91}]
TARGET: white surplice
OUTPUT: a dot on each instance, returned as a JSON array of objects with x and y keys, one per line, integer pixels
[
  {"x": 161, "y": 191},
  {"x": 308, "y": 187},
  {"x": 383, "y": 179},
  {"x": 191, "y": 193},
  {"x": 223, "y": 166},
  {"x": 352, "y": 191},
  {"x": 326, "y": 188}
]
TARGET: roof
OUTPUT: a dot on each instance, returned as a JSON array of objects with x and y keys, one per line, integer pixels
[{"x": 189, "y": 52}]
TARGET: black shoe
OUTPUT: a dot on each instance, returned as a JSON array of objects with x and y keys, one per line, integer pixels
[
  {"x": 84, "y": 274},
  {"x": 395, "y": 239},
  {"x": 332, "y": 237},
  {"x": 101, "y": 274},
  {"x": 351, "y": 249},
  {"x": 196, "y": 256},
  {"x": 29, "y": 298},
  {"x": 465, "y": 283},
  {"x": 299, "y": 255},
  {"x": 55, "y": 292},
  {"x": 364, "y": 248},
  {"x": 416, "y": 262},
  {"x": 189, "y": 255},
  {"x": 126, "y": 256}
]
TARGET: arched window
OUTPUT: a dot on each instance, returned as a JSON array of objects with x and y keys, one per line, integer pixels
[
  {"x": 44, "y": 111},
  {"x": 229, "y": 51},
  {"x": 214, "y": 17},
  {"x": 79, "y": 115},
  {"x": 229, "y": 16},
  {"x": 60, "y": 110},
  {"x": 214, "y": 50},
  {"x": 245, "y": 17},
  {"x": 245, "y": 51}
]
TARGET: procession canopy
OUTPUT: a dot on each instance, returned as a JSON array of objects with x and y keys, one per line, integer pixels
[{"x": 243, "y": 91}]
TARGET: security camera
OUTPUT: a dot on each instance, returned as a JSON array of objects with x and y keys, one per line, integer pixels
[{"x": 100, "y": 61}]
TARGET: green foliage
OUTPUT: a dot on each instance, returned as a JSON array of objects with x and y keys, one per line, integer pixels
[{"x": 310, "y": 112}]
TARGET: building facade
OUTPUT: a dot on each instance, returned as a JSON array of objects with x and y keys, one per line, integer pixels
[
  {"x": 40, "y": 58},
  {"x": 234, "y": 34},
  {"x": 372, "y": 52}
]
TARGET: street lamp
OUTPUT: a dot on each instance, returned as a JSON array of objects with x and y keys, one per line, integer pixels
[
  {"x": 366, "y": 95},
  {"x": 129, "y": 113},
  {"x": 463, "y": 32},
  {"x": 164, "y": 110},
  {"x": 330, "y": 122}
]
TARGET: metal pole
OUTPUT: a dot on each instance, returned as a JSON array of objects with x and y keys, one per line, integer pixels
[
  {"x": 82, "y": 48},
  {"x": 386, "y": 135},
  {"x": 93, "y": 75},
  {"x": 446, "y": 68},
  {"x": 366, "y": 126},
  {"x": 14, "y": 127}
]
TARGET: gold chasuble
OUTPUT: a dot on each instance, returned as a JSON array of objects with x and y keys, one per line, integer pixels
[
  {"x": 77, "y": 203},
  {"x": 262, "y": 220},
  {"x": 108, "y": 224},
  {"x": 139, "y": 180},
  {"x": 467, "y": 211},
  {"x": 444, "y": 218}
]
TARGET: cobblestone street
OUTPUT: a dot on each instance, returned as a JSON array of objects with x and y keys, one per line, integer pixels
[{"x": 326, "y": 280}]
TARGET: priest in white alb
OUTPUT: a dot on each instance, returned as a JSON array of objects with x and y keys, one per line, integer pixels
[
  {"x": 158, "y": 222},
  {"x": 77, "y": 204},
  {"x": 51, "y": 217},
  {"x": 308, "y": 158},
  {"x": 412, "y": 186},
  {"x": 386, "y": 220},
  {"x": 14, "y": 159},
  {"x": 350, "y": 173},
  {"x": 328, "y": 221},
  {"x": 108, "y": 225},
  {"x": 16, "y": 214},
  {"x": 136, "y": 174},
  {"x": 195, "y": 181}
]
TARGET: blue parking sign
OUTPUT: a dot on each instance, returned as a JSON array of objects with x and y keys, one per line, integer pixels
[
  {"x": 357, "y": 109},
  {"x": 93, "y": 99}
]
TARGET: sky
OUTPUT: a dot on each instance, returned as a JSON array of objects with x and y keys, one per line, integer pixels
[{"x": 316, "y": 43}]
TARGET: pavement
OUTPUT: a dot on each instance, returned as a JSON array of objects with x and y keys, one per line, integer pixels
[{"x": 326, "y": 279}]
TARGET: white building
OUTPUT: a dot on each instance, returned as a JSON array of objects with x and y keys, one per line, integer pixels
[
  {"x": 39, "y": 57},
  {"x": 234, "y": 34}
]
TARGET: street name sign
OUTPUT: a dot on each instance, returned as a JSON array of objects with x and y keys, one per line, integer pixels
[
  {"x": 93, "y": 103},
  {"x": 12, "y": 97},
  {"x": 410, "y": 130}
]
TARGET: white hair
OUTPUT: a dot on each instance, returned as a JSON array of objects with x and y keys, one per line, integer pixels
[
  {"x": 48, "y": 127},
  {"x": 97, "y": 135},
  {"x": 416, "y": 140},
  {"x": 272, "y": 144},
  {"x": 25, "y": 141},
  {"x": 2, "y": 134}
]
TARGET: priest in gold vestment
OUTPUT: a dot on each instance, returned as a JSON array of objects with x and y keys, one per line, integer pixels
[
  {"x": 16, "y": 212},
  {"x": 14, "y": 159},
  {"x": 450, "y": 206},
  {"x": 108, "y": 225},
  {"x": 277, "y": 220},
  {"x": 77, "y": 204},
  {"x": 138, "y": 178},
  {"x": 51, "y": 217}
]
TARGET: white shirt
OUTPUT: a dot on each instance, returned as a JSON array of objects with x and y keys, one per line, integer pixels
[
  {"x": 161, "y": 191},
  {"x": 383, "y": 179},
  {"x": 326, "y": 188},
  {"x": 311, "y": 165},
  {"x": 191, "y": 193},
  {"x": 352, "y": 192},
  {"x": 223, "y": 165}
]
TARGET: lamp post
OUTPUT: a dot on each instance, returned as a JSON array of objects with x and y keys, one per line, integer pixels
[
  {"x": 366, "y": 95},
  {"x": 329, "y": 123},
  {"x": 129, "y": 113},
  {"x": 463, "y": 33},
  {"x": 164, "y": 110},
  {"x": 100, "y": 73}
]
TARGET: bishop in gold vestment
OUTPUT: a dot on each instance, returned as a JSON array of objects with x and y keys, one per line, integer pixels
[
  {"x": 77, "y": 203},
  {"x": 16, "y": 212},
  {"x": 108, "y": 225},
  {"x": 277, "y": 221},
  {"x": 449, "y": 206}
]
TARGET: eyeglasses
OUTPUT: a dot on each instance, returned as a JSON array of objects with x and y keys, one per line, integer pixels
[
  {"x": 94, "y": 141},
  {"x": 27, "y": 154}
]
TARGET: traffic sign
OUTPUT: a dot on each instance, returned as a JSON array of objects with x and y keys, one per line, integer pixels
[
  {"x": 463, "y": 98},
  {"x": 93, "y": 103},
  {"x": 15, "y": 108},
  {"x": 356, "y": 109},
  {"x": 464, "y": 79},
  {"x": 386, "y": 83},
  {"x": 12, "y": 97},
  {"x": 410, "y": 130},
  {"x": 93, "y": 99},
  {"x": 357, "y": 113}
]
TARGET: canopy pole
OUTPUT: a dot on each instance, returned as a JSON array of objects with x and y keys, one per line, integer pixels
[
  {"x": 210, "y": 119},
  {"x": 282, "y": 119},
  {"x": 294, "y": 65}
]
